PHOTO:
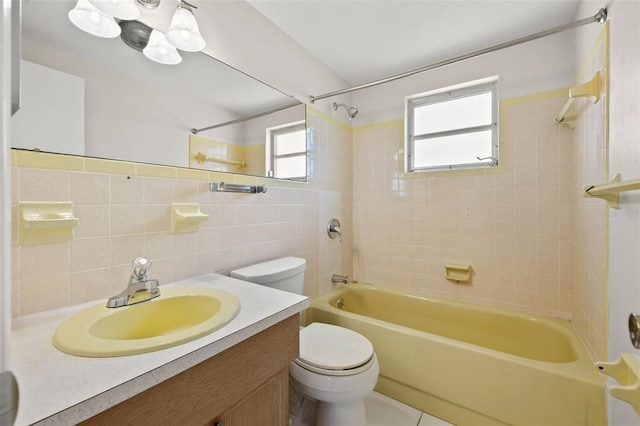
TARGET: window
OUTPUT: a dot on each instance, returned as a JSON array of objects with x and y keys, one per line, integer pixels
[
  {"x": 287, "y": 151},
  {"x": 452, "y": 128}
]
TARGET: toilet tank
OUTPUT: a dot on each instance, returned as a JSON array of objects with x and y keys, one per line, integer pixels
[{"x": 286, "y": 273}]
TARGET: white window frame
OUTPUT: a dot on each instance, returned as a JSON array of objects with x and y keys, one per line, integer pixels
[
  {"x": 271, "y": 157},
  {"x": 443, "y": 95}
]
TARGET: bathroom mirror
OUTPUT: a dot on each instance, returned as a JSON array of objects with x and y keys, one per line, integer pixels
[{"x": 98, "y": 97}]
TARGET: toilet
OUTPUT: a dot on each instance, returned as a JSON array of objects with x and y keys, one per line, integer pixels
[{"x": 337, "y": 367}]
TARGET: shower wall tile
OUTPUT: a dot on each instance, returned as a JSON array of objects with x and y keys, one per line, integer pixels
[{"x": 506, "y": 225}]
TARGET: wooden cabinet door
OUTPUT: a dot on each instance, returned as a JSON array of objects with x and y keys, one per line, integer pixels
[{"x": 269, "y": 405}]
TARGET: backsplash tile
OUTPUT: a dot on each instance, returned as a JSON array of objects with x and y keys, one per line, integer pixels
[{"x": 43, "y": 185}]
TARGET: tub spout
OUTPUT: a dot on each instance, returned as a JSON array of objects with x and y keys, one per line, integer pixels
[{"x": 344, "y": 279}]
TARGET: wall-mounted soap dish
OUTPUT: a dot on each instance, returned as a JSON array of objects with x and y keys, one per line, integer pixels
[
  {"x": 46, "y": 222},
  {"x": 457, "y": 272},
  {"x": 186, "y": 217}
]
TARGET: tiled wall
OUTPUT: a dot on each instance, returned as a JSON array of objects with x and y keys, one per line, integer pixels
[
  {"x": 511, "y": 225},
  {"x": 589, "y": 306},
  {"x": 534, "y": 243},
  {"x": 124, "y": 212}
]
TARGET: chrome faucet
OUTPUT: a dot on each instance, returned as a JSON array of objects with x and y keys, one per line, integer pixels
[
  {"x": 344, "y": 279},
  {"x": 140, "y": 289}
]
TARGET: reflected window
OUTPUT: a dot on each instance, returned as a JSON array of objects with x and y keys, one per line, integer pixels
[
  {"x": 287, "y": 151},
  {"x": 452, "y": 128}
]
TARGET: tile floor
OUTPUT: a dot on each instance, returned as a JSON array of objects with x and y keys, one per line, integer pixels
[
  {"x": 381, "y": 411},
  {"x": 384, "y": 411}
]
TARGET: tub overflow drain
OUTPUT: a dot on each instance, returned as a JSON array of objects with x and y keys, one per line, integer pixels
[{"x": 340, "y": 302}]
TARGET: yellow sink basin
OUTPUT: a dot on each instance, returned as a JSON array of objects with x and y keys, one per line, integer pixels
[{"x": 177, "y": 316}]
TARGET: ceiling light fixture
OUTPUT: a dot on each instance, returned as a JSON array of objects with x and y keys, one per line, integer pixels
[
  {"x": 121, "y": 9},
  {"x": 92, "y": 20},
  {"x": 183, "y": 32},
  {"x": 97, "y": 17},
  {"x": 159, "y": 50},
  {"x": 135, "y": 34}
]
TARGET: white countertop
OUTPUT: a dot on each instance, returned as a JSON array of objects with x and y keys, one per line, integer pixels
[{"x": 57, "y": 388}]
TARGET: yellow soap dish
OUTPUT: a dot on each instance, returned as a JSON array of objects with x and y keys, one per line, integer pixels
[
  {"x": 457, "y": 272},
  {"x": 186, "y": 217},
  {"x": 46, "y": 222}
]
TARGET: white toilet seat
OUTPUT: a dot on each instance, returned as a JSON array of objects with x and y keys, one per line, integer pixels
[
  {"x": 336, "y": 351},
  {"x": 327, "y": 372},
  {"x": 331, "y": 387}
]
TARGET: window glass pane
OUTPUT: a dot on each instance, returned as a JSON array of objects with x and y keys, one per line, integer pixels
[
  {"x": 291, "y": 167},
  {"x": 452, "y": 114},
  {"x": 456, "y": 149},
  {"x": 291, "y": 142}
]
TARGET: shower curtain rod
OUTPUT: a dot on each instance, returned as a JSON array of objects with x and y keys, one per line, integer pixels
[
  {"x": 249, "y": 117},
  {"x": 599, "y": 17}
]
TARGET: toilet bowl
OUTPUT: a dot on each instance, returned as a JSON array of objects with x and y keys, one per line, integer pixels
[{"x": 337, "y": 367}]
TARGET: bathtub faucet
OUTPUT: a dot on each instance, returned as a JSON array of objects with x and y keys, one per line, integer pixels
[{"x": 344, "y": 279}]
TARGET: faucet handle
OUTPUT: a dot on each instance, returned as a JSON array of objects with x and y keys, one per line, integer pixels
[
  {"x": 140, "y": 267},
  {"x": 333, "y": 229}
]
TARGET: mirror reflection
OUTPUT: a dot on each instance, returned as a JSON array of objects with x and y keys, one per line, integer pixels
[{"x": 98, "y": 97}]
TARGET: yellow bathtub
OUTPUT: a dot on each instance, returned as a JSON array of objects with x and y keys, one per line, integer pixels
[{"x": 469, "y": 364}]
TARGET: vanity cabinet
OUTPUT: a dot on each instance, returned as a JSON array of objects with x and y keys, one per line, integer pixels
[{"x": 246, "y": 385}]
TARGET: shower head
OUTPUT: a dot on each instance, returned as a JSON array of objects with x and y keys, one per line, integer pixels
[{"x": 351, "y": 111}]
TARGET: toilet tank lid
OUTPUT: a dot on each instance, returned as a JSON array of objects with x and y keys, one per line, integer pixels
[{"x": 272, "y": 270}]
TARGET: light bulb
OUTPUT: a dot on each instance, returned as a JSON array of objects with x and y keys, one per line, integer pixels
[
  {"x": 183, "y": 32},
  {"x": 92, "y": 20}
]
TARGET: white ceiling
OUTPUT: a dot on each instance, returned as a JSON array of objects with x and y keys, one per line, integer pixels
[{"x": 364, "y": 40}]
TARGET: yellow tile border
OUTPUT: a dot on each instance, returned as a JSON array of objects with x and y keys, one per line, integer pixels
[
  {"x": 99, "y": 165},
  {"x": 46, "y": 160},
  {"x": 603, "y": 37},
  {"x": 557, "y": 93},
  {"x": 153, "y": 170},
  {"x": 192, "y": 174}
]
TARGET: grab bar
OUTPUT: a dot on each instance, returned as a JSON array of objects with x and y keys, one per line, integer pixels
[{"x": 201, "y": 158}]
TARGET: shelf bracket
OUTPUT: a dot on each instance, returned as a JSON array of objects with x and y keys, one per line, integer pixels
[
  {"x": 611, "y": 190},
  {"x": 589, "y": 89}
]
